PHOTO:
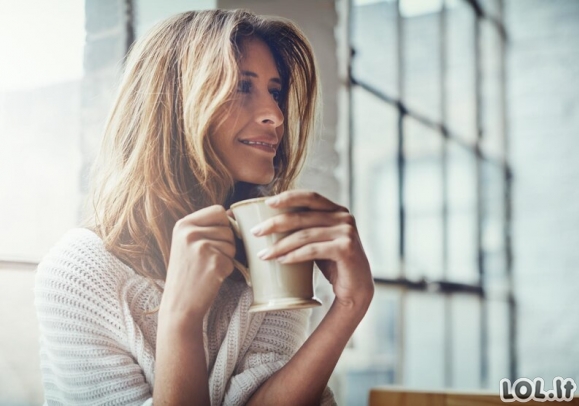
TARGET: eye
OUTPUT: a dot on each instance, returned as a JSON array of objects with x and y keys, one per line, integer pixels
[
  {"x": 244, "y": 86},
  {"x": 276, "y": 93}
]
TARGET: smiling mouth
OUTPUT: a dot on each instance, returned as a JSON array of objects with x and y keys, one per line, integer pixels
[{"x": 265, "y": 144}]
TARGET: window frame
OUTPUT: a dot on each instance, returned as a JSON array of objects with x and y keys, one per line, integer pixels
[{"x": 444, "y": 287}]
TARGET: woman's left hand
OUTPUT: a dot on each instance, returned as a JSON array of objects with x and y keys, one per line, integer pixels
[{"x": 324, "y": 232}]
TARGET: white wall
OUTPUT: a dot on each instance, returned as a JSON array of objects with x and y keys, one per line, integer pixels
[{"x": 543, "y": 102}]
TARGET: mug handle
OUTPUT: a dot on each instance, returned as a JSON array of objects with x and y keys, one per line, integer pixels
[{"x": 242, "y": 268}]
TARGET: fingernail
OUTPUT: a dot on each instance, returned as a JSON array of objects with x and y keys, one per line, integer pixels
[
  {"x": 264, "y": 253},
  {"x": 256, "y": 230},
  {"x": 272, "y": 201}
]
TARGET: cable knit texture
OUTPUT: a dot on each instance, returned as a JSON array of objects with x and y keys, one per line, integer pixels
[{"x": 98, "y": 337}]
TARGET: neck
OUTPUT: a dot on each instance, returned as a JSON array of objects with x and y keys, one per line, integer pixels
[{"x": 243, "y": 191}]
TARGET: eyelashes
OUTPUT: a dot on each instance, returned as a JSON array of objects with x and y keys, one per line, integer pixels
[
  {"x": 245, "y": 86},
  {"x": 276, "y": 93}
]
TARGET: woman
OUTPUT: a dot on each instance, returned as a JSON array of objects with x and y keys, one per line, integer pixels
[{"x": 143, "y": 305}]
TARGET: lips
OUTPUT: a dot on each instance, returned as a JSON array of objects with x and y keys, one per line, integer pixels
[
  {"x": 248, "y": 142},
  {"x": 260, "y": 144}
]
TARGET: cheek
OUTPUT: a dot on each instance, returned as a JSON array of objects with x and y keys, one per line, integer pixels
[
  {"x": 223, "y": 135},
  {"x": 280, "y": 131}
]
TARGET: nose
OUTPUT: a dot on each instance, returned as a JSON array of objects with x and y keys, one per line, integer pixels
[{"x": 269, "y": 112}]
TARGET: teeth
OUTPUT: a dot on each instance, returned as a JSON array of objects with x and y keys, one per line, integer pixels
[{"x": 257, "y": 143}]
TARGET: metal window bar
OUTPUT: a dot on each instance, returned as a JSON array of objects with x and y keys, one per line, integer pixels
[
  {"x": 479, "y": 192},
  {"x": 444, "y": 286},
  {"x": 442, "y": 50},
  {"x": 401, "y": 164},
  {"x": 129, "y": 25},
  {"x": 508, "y": 178}
]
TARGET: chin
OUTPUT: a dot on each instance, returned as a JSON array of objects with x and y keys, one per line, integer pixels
[
  {"x": 262, "y": 181},
  {"x": 262, "y": 178}
]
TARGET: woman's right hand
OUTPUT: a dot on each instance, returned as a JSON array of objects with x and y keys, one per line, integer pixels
[{"x": 201, "y": 257}]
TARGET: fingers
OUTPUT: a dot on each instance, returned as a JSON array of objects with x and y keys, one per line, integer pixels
[
  {"x": 293, "y": 221},
  {"x": 216, "y": 233},
  {"x": 223, "y": 247},
  {"x": 303, "y": 198},
  {"x": 316, "y": 251},
  {"x": 209, "y": 216},
  {"x": 324, "y": 230},
  {"x": 206, "y": 226},
  {"x": 299, "y": 240}
]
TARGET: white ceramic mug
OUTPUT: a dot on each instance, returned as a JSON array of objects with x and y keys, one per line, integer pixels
[{"x": 275, "y": 286}]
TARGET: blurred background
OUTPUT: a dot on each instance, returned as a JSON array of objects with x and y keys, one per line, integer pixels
[{"x": 450, "y": 129}]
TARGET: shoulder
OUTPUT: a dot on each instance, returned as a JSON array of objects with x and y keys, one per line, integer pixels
[{"x": 80, "y": 267}]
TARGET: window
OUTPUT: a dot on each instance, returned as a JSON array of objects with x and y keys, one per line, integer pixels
[
  {"x": 41, "y": 66},
  {"x": 429, "y": 185},
  {"x": 40, "y": 100}
]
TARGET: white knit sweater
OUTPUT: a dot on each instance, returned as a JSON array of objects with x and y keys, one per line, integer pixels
[{"x": 98, "y": 341}]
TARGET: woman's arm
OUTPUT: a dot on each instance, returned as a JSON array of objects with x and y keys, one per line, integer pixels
[
  {"x": 202, "y": 251},
  {"x": 327, "y": 233},
  {"x": 85, "y": 341},
  {"x": 303, "y": 379},
  {"x": 180, "y": 364}
]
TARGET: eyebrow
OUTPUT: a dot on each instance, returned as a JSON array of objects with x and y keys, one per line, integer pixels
[{"x": 254, "y": 75}]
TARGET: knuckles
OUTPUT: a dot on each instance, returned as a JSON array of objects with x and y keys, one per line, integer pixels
[
  {"x": 348, "y": 219},
  {"x": 202, "y": 246},
  {"x": 311, "y": 251},
  {"x": 313, "y": 195},
  {"x": 349, "y": 231}
]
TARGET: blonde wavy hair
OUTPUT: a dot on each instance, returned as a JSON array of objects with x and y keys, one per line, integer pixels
[{"x": 157, "y": 163}]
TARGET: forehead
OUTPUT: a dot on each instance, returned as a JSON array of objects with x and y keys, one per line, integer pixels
[{"x": 257, "y": 57}]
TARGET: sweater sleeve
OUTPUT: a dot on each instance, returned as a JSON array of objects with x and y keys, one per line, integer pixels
[
  {"x": 279, "y": 337},
  {"x": 85, "y": 359}
]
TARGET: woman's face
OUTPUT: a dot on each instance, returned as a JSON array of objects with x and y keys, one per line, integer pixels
[{"x": 248, "y": 137}]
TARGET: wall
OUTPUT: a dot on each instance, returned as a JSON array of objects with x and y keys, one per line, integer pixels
[{"x": 544, "y": 139}]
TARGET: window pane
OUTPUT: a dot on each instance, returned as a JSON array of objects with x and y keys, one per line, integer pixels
[
  {"x": 413, "y": 8},
  {"x": 376, "y": 180},
  {"x": 491, "y": 109},
  {"x": 149, "y": 12},
  {"x": 421, "y": 75},
  {"x": 462, "y": 257},
  {"x": 498, "y": 336},
  {"x": 460, "y": 76},
  {"x": 466, "y": 341},
  {"x": 424, "y": 340},
  {"x": 491, "y": 8},
  {"x": 374, "y": 38},
  {"x": 493, "y": 186},
  {"x": 423, "y": 177},
  {"x": 40, "y": 101},
  {"x": 495, "y": 281},
  {"x": 423, "y": 201},
  {"x": 462, "y": 218},
  {"x": 493, "y": 230}
]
